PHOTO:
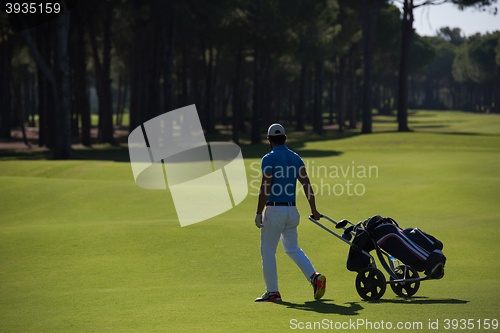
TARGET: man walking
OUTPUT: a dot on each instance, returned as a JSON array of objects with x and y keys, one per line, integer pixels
[{"x": 281, "y": 168}]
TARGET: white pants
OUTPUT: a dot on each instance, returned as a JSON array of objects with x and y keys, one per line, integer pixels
[{"x": 281, "y": 222}]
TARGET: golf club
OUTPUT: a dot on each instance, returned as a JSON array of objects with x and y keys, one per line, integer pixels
[{"x": 342, "y": 224}]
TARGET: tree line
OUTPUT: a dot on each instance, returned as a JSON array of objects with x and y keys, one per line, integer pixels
[{"x": 244, "y": 63}]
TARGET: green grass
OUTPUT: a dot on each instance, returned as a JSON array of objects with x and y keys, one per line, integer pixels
[
  {"x": 444, "y": 122},
  {"x": 83, "y": 249}
]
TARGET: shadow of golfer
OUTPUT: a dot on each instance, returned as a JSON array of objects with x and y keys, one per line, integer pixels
[
  {"x": 323, "y": 306},
  {"x": 420, "y": 300}
]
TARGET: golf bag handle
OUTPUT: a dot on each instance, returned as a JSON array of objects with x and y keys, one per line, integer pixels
[
  {"x": 357, "y": 248},
  {"x": 331, "y": 220}
]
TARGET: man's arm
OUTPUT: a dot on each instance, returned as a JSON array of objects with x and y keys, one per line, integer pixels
[
  {"x": 306, "y": 184},
  {"x": 264, "y": 192}
]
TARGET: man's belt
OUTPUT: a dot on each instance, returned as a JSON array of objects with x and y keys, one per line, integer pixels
[{"x": 280, "y": 204}]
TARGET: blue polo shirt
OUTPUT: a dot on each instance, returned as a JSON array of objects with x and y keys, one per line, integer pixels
[{"x": 284, "y": 164}]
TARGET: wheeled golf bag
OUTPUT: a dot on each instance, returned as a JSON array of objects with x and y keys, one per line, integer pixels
[
  {"x": 411, "y": 246},
  {"x": 356, "y": 260}
]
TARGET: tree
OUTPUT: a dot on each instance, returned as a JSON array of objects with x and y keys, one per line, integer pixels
[
  {"x": 475, "y": 65},
  {"x": 325, "y": 31},
  {"x": 438, "y": 73},
  {"x": 454, "y": 36},
  {"x": 5, "y": 97},
  {"x": 103, "y": 73},
  {"x": 385, "y": 59},
  {"x": 407, "y": 34},
  {"x": 210, "y": 23},
  {"x": 272, "y": 25},
  {"x": 422, "y": 54},
  {"x": 343, "y": 54},
  {"x": 238, "y": 37},
  {"x": 168, "y": 60},
  {"x": 59, "y": 83},
  {"x": 369, "y": 13},
  {"x": 46, "y": 130},
  {"x": 78, "y": 57},
  {"x": 347, "y": 46}
]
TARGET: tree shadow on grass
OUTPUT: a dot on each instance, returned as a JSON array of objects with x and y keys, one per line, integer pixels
[
  {"x": 469, "y": 133},
  {"x": 260, "y": 150},
  {"x": 297, "y": 142},
  {"x": 11, "y": 155},
  {"x": 120, "y": 153},
  {"x": 324, "y": 306},
  {"x": 106, "y": 153},
  {"x": 420, "y": 301}
]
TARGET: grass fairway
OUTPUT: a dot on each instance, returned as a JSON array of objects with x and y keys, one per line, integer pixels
[{"x": 83, "y": 249}]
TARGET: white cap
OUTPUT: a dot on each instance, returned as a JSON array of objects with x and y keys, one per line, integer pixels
[{"x": 275, "y": 129}]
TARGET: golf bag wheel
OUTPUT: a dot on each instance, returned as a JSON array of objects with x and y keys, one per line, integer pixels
[
  {"x": 405, "y": 289},
  {"x": 370, "y": 284}
]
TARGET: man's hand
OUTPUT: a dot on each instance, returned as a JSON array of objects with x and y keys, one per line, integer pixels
[
  {"x": 315, "y": 214},
  {"x": 258, "y": 221}
]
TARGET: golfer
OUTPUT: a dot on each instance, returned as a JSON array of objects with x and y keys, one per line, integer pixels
[{"x": 280, "y": 170}]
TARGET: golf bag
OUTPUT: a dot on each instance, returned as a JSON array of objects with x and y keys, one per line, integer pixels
[
  {"x": 356, "y": 260},
  {"x": 411, "y": 246}
]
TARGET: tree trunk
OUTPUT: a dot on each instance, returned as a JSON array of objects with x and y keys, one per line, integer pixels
[
  {"x": 318, "y": 97},
  {"x": 331, "y": 98},
  {"x": 257, "y": 93},
  {"x": 35, "y": 99},
  {"x": 369, "y": 14},
  {"x": 235, "y": 119},
  {"x": 43, "y": 45},
  {"x": 496, "y": 96},
  {"x": 125, "y": 98},
  {"x": 407, "y": 33},
  {"x": 185, "y": 75},
  {"x": 104, "y": 84},
  {"x": 74, "y": 110},
  {"x": 216, "y": 95},
  {"x": 351, "y": 105},
  {"x": 470, "y": 96},
  {"x": 268, "y": 113},
  {"x": 62, "y": 142},
  {"x": 5, "y": 96},
  {"x": 154, "y": 69},
  {"x": 302, "y": 98},
  {"x": 119, "y": 92},
  {"x": 243, "y": 105},
  {"x": 78, "y": 73},
  {"x": 342, "y": 93},
  {"x": 32, "y": 99},
  {"x": 168, "y": 67},
  {"x": 309, "y": 109},
  {"x": 135, "y": 75},
  {"x": 279, "y": 98},
  {"x": 106, "y": 127},
  {"x": 17, "y": 103},
  {"x": 209, "y": 121},
  {"x": 226, "y": 97},
  {"x": 7, "y": 64}
]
